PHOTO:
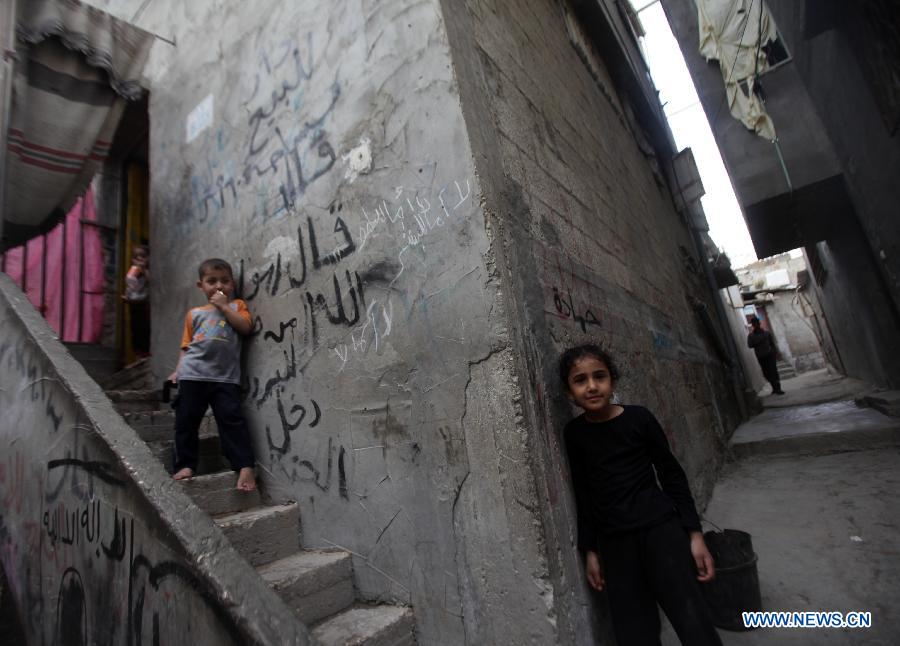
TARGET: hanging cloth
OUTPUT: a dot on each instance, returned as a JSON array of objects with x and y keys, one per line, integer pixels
[
  {"x": 734, "y": 32},
  {"x": 75, "y": 67}
]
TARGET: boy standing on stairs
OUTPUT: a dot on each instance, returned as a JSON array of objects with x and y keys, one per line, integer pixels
[{"x": 208, "y": 374}]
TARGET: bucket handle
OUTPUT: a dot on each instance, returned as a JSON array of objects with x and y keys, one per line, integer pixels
[{"x": 704, "y": 519}]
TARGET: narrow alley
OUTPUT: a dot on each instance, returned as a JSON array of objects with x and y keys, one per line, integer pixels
[
  {"x": 815, "y": 480},
  {"x": 366, "y": 235}
]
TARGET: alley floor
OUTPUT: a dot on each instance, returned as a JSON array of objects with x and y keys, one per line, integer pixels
[{"x": 816, "y": 482}]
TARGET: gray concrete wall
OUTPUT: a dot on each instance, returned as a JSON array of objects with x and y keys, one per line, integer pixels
[
  {"x": 794, "y": 331},
  {"x": 857, "y": 311},
  {"x": 828, "y": 64},
  {"x": 424, "y": 202},
  {"x": 791, "y": 311},
  {"x": 589, "y": 249},
  {"x": 738, "y": 323},
  {"x": 96, "y": 542},
  {"x": 336, "y": 174},
  {"x": 828, "y": 124},
  {"x": 752, "y": 162}
]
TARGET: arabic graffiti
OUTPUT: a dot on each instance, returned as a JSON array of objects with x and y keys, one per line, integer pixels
[
  {"x": 81, "y": 525},
  {"x": 566, "y": 310},
  {"x": 291, "y": 419},
  {"x": 287, "y": 141}
]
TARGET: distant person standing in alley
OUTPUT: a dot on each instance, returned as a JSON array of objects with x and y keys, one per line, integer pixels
[
  {"x": 137, "y": 296},
  {"x": 763, "y": 344}
]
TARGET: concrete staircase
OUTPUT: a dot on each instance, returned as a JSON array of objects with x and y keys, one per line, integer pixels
[
  {"x": 785, "y": 370},
  {"x": 316, "y": 584},
  {"x": 99, "y": 361}
]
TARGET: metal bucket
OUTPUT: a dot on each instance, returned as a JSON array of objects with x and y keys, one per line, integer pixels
[{"x": 736, "y": 586}]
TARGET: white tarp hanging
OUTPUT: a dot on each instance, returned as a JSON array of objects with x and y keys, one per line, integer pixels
[
  {"x": 75, "y": 65},
  {"x": 734, "y": 33}
]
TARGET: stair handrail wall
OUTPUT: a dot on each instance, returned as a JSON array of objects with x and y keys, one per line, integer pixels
[{"x": 95, "y": 537}]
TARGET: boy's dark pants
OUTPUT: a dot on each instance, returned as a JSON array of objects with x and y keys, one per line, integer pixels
[
  {"x": 225, "y": 401},
  {"x": 649, "y": 565}
]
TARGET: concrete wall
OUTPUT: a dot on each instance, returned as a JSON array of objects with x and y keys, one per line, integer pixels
[
  {"x": 790, "y": 310},
  {"x": 589, "y": 249},
  {"x": 738, "y": 324},
  {"x": 752, "y": 162},
  {"x": 419, "y": 226},
  {"x": 794, "y": 331},
  {"x": 858, "y": 312},
  {"x": 97, "y": 544},
  {"x": 828, "y": 62},
  {"x": 336, "y": 174},
  {"x": 829, "y": 125}
]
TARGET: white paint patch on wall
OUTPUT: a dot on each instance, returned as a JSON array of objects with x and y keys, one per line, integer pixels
[
  {"x": 287, "y": 247},
  {"x": 359, "y": 159},
  {"x": 199, "y": 119}
]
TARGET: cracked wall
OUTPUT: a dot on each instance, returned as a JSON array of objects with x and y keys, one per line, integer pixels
[
  {"x": 424, "y": 202},
  {"x": 588, "y": 248},
  {"x": 322, "y": 150}
]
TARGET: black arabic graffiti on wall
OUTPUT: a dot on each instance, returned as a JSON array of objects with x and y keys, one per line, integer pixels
[
  {"x": 325, "y": 242},
  {"x": 287, "y": 146},
  {"x": 152, "y": 589}
]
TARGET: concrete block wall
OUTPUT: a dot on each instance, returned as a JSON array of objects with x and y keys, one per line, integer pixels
[
  {"x": 589, "y": 249},
  {"x": 97, "y": 545}
]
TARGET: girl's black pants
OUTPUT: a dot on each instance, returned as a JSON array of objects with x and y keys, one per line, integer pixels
[
  {"x": 190, "y": 407},
  {"x": 649, "y": 566}
]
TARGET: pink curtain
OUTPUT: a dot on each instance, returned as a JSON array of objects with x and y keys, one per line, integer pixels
[{"x": 73, "y": 287}]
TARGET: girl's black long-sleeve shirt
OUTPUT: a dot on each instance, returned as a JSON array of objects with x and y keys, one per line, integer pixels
[{"x": 612, "y": 466}]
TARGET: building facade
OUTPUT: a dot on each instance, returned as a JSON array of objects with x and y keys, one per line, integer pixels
[{"x": 829, "y": 185}]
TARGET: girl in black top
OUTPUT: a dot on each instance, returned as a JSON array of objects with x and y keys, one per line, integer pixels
[{"x": 637, "y": 524}]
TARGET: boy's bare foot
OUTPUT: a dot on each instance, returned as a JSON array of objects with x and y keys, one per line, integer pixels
[
  {"x": 246, "y": 479},
  {"x": 183, "y": 474}
]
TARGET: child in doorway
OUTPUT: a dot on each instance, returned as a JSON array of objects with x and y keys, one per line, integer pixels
[
  {"x": 641, "y": 540},
  {"x": 208, "y": 374},
  {"x": 137, "y": 296}
]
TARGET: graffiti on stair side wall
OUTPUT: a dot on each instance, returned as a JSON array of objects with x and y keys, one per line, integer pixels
[
  {"x": 287, "y": 147},
  {"x": 83, "y": 565}
]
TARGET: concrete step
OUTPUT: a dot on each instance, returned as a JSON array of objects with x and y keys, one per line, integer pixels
[
  {"x": 137, "y": 376},
  {"x": 216, "y": 494},
  {"x": 157, "y": 425},
  {"x": 99, "y": 361},
  {"x": 315, "y": 584},
  {"x": 886, "y": 402},
  {"x": 129, "y": 401},
  {"x": 786, "y": 370},
  {"x": 369, "y": 626},
  {"x": 83, "y": 351},
  {"x": 816, "y": 429},
  {"x": 211, "y": 459},
  {"x": 264, "y": 534}
]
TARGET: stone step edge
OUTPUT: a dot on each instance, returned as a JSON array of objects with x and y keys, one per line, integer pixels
[
  {"x": 337, "y": 629},
  {"x": 819, "y": 443}
]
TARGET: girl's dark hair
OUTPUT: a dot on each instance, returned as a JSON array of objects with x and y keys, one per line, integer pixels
[{"x": 570, "y": 356}]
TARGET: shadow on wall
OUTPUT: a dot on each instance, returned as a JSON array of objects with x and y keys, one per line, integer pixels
[{"x": 10, "y": 626}]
